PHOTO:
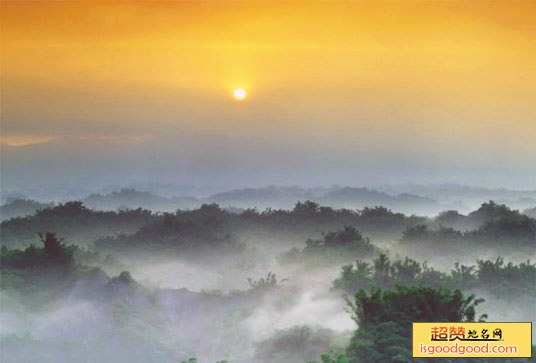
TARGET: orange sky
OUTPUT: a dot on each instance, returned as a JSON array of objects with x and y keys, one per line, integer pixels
[{"x": 411, "y": 75}]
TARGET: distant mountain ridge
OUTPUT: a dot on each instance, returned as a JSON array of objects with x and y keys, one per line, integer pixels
[
  {"x": 268, "y": 197},
  {"x": 470, "y": 195},
  {"x": 408, "y": 199},
  {"x": 132, "y": 199},
  {"x": 20, "y": 207}
]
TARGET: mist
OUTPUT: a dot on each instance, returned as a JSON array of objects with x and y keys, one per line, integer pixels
[{"x": 235, "y": 285}]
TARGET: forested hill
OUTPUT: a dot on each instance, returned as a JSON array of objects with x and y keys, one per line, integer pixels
[{"x": 82, "y": 226}]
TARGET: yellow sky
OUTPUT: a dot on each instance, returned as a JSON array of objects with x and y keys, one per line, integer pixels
[{"x": 409, "y": 74}]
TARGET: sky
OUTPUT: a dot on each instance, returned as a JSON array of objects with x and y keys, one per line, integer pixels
[{"x": 355, "y": 93}]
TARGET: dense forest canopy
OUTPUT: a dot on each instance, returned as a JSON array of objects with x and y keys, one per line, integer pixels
[{"x": 270, "y": 284}]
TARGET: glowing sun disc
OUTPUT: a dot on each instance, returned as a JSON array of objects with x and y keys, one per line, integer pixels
[{"x": 239, "y": 94}]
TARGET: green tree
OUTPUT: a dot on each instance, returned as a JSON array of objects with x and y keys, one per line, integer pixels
[{"x": 385, "y": 319}]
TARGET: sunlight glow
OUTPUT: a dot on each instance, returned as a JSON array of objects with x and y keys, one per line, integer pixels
[{"x": 239, "y": 94}]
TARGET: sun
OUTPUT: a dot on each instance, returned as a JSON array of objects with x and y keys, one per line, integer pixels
[{"x": 239, "y": 94}]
